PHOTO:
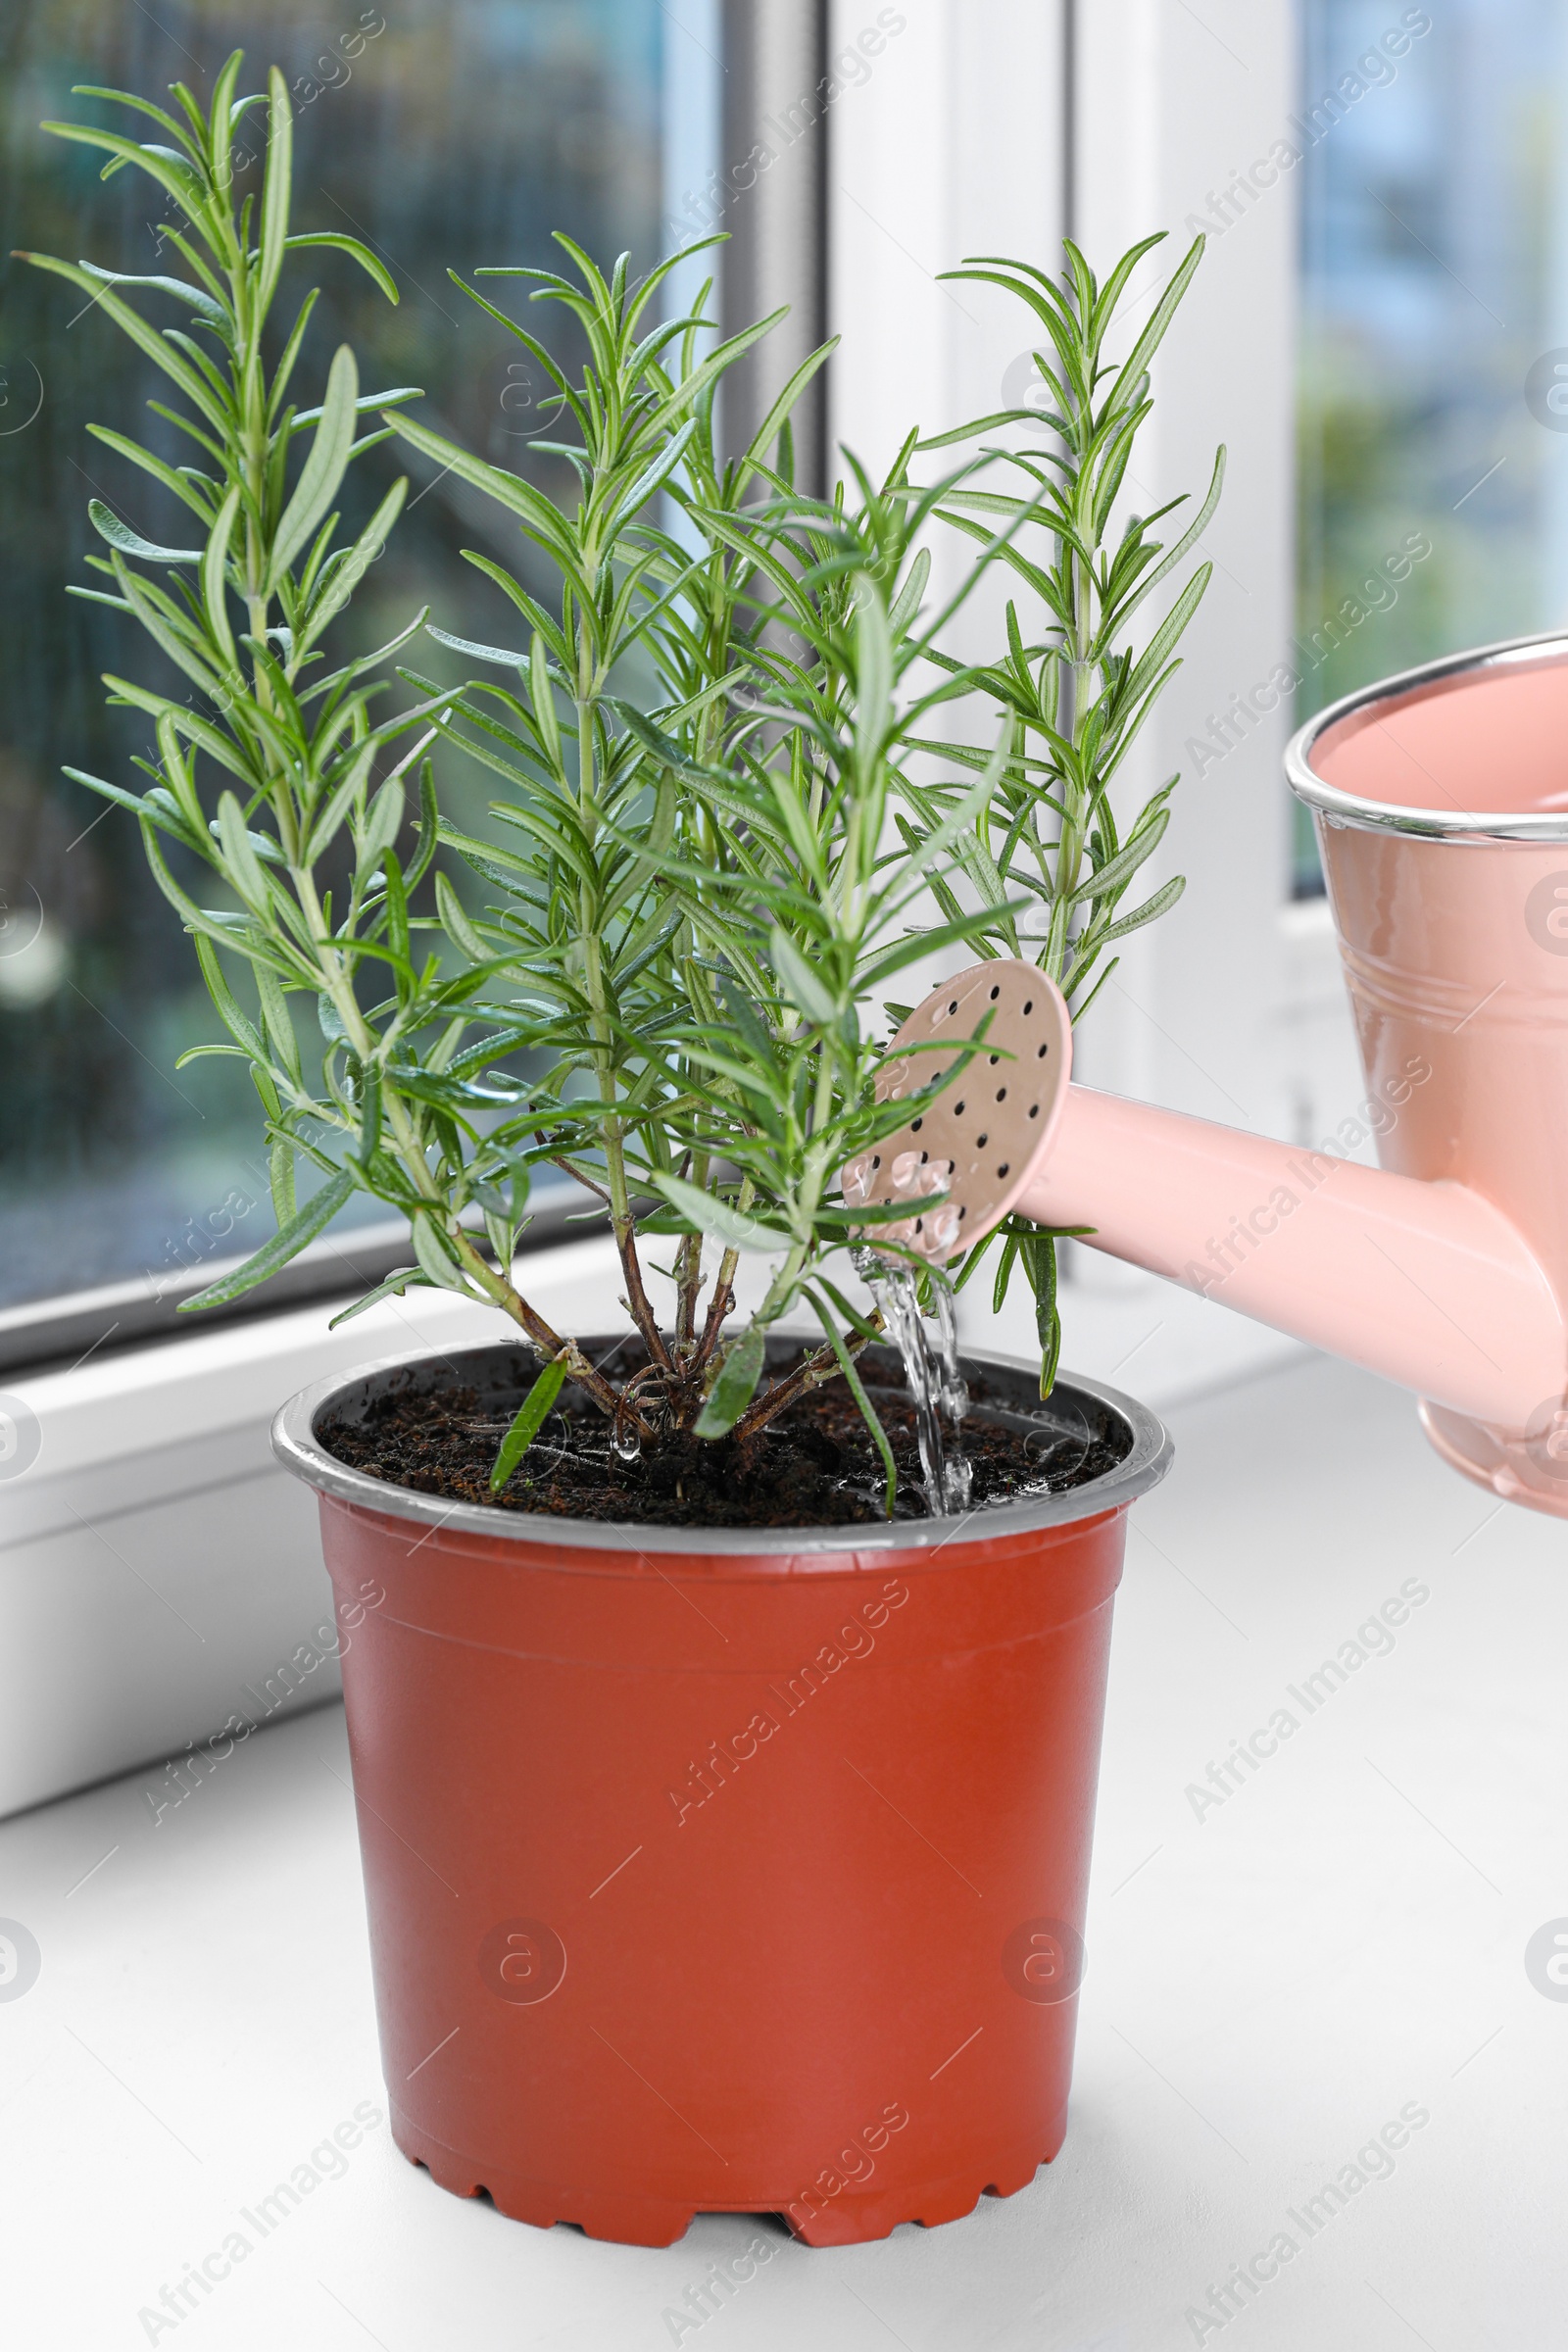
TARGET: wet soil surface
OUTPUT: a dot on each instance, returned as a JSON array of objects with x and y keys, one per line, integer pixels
[{"x": 815, "y": 1466}]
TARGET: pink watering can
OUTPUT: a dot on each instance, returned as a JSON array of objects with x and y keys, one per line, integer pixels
[{"x": 1441, "y": 800}]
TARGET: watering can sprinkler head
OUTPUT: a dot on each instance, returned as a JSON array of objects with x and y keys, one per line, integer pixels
[
  {"x": 970, "y": 1151},
  {"x": 1442, "y": 806}
]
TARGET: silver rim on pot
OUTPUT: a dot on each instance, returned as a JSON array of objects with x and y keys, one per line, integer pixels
[{"x": 301, "y": 1451}]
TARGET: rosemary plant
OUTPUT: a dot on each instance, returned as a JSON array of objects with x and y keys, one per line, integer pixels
[
  {"x": 716, "y": 825},
  {"x": 1073, "y": 699},
  {"x": 700, "y": 902}
]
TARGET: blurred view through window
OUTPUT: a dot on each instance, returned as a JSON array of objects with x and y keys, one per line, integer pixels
[
  {"x": 1434, "y": 336},
  {"x": 444, "y": 132}
]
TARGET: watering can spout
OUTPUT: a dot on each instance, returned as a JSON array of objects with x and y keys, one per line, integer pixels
[
  {"x": 1442, "y": 806},
  {"x": 1427, "y": 1282}
]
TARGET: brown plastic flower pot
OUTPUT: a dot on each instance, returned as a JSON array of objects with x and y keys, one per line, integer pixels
[{"x": 725, "y": 1872}]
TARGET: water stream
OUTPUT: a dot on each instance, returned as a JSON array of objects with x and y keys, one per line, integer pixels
[{"x": 930, "y": 1353}]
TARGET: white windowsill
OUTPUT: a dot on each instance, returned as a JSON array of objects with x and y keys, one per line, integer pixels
[
  {"x": 156, "y": 1562},
  {"x": 205, "y": 1383}
]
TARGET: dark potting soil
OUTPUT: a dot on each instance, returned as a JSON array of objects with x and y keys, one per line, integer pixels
[{"x": 815, "y": 1466}]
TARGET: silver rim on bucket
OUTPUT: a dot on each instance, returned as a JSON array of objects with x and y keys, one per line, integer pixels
[
  {"x": 301, "y": 1451},
  {"x": 1434, "y": 824}
]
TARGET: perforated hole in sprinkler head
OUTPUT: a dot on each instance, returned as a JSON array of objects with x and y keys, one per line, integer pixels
[{"x": 980, "y": 1175}]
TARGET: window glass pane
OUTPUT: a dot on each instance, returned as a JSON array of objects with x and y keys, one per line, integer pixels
[
  {"x": 1433, "y": 400},
  {"x": 444, "y": 132}
]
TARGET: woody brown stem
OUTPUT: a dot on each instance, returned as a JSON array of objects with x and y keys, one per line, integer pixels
[
  {"x": 578, "y": 1177},
  {"x": 814, "y": 1373},
  {"x": 549, "y": 1344},
  {"x": 638, "y": 1305},
  {"x": 637, "y": 1301},
  {"x": 689, "y": 1280},
  {"x": 546, "y": 1342},
  {"x": 719, "y": 1307}
]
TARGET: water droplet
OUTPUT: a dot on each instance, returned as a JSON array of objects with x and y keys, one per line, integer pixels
[{"x": 855, "y": 1181}]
